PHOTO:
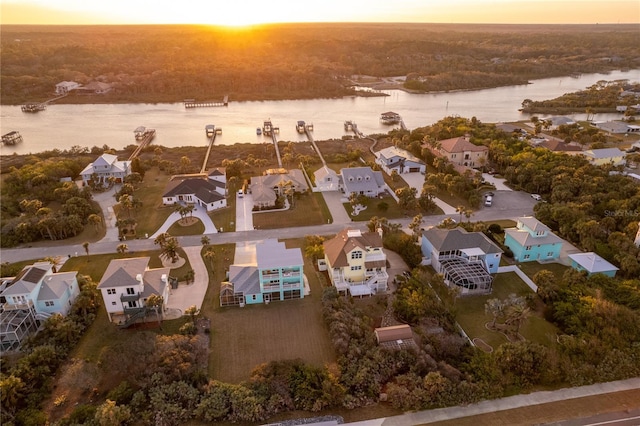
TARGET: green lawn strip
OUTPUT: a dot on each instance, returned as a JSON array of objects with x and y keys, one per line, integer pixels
[
  {"x": 531, "y": 268},
  {"x": 393, "y": 210},
  {"x": 153, "y": 213},
  {"x": 225, "y": 219},
  {"x": 178, "y": 230},
  {"x": 472, "y": 317},
  {"x": 242, "y": 338},
  {"x": 309, "y": 209}
]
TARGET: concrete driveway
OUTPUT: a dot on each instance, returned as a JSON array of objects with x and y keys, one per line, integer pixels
[
  {"x": 106, "y": 200},
  {"x": 198, "y": 211},
  {"x": 186, "y": 296},
  {"x": 334, "y": 203},
  {"x": 416, "y": 180},
  {"x": 244, "y": 213},
  {"x": 396, "y": 267},
  {"x": 497, "y": 182}
]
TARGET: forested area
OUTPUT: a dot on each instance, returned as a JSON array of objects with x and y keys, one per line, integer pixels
[{"x": 172, "y": 63}]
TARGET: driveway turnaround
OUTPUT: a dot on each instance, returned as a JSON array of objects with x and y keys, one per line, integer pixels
[{"x": 198, "y": 211}]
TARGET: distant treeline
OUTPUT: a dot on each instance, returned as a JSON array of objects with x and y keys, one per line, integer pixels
[{"x": 172, "y": 63}]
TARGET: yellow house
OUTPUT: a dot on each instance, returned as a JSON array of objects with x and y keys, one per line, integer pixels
[
  {"x": 600, "y": 157},
  {"x": 356, "y": 262}
]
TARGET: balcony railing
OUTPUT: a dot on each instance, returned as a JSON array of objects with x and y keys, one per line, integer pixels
[
  {"x": 17, "y": 306},
  {"x": 129, "y": 297}
]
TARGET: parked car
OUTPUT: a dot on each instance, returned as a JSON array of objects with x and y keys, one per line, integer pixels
[
  {"x": 488, "y": 201},
  {"x": 240, "y": 193},
  {"x": 536, "y": 197}
]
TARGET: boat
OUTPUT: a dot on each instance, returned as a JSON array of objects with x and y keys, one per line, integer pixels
[
  {"x": 11, "y": 138},
  {"x": 140, "y": 132},
  {"x": 33, "y": 107},
  {"x": 258, "y": 131},
  {"x": 267, "y": 128},
  {"x": 300, "y": 127},
  {"x": 210, "y": 129}
]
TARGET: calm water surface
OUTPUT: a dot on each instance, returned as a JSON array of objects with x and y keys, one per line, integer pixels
[{"x": 63, "y": 126}]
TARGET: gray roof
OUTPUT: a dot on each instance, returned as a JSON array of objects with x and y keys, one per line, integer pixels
[
  {"x": 153, "y": 282},
  {"x": 54, "y": 286},
  {"x": 123, "y": 272},
  {"x": 458, "y": 239},
  {"x": 592, "y": 262},
  {"x": 604, "y": 153},
  {"x": 203, "y": 189},
  {"x": 356, "y": 179},
  {"x": 272, "y": 253},
  {"x": 533, "y": 224},
  {"x": 524, "y": 238},
  {"x": 27, "y": 279},
  {"x": 394, "y": 151},
  {"x": 323, "y": 172},
  {"x": 245, "y": 279}
]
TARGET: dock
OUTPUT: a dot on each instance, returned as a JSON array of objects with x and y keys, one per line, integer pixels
[
  {"x": 11, "y": 138},
  {"x": 353, "y": 127},
  {"x": 192, "y": 103},
  {"x": 212, "y": 131},
  {"x": 144, "y": 136},
  {"x": 268, "y": 129},
  {"x": 307, "y": 130},
  {"x": 33, "y": 107},
  {"x": 391, "y": 117}
]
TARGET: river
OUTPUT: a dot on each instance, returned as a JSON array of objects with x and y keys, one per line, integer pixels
[{"x": 63, "y": 126}]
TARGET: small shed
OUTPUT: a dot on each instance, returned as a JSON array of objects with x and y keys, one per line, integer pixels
[{"x": 395, "y": 336}]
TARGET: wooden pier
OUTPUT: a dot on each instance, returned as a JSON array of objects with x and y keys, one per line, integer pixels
[
  {"x": 352, "y": 126},
  {"x": 147, "y": 136},
  {"x": 11, "y": 138},
  {"x": 192, "y": 103},
  {"x": 212, "y": 132},
  {"x": 307, "y": 130}
]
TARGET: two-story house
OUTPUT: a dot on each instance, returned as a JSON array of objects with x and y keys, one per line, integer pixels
[
  {"x": 326, "y": 179},
  {"x": 605, "y": 156},
  {"x": 273, "y": 273},
  {"x": 127, "y": 284},
  {"x": 356, "y": 262},
  {"x": 105, "y": 167},
  {"x": 465, "y": 259},
  {"x": 267, "y": 188},
  {"x": 362, "y": 181},
  {"x": 460, "y": 152},
  {"x": 402, "y": 161},
  {"x": 532, "y": 240},
  {"x": 207, "y": 190},
  {"x": 32, "y": 296}
]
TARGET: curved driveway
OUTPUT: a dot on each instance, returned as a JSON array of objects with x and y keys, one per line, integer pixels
[{"x": 198, "y": 211}]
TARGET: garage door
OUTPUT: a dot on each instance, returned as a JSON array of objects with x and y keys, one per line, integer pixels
[{"x": 414, "y": 169}]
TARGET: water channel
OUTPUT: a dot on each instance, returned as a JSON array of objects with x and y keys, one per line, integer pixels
[{"x": 63, "y": 126}]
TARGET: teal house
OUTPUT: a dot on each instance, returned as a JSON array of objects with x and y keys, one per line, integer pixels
[
  {"x": 270, "y": 272},
  {"x": 532, "y": 240},
  {"x": 593, "y": 264}
]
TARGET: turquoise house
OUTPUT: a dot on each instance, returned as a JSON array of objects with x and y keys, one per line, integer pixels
[
  {"x": 593, "y": 264},
  {"x": 272, "y": 273},
  {"x": 531, "y": 240}
]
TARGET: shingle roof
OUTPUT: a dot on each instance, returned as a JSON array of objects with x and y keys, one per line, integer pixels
[
  {"x": 245, "y": 279},
  {"x": 356, "y": 179},
  {"x": 336, "y": 249},
  {"x": 203, "y": 189},
  {"x": 460, "y": 144},
  {"x": 272, "y": 253},
  {"x": 394, "y": 151},
  {"x": 54, "y": 286},
  {"x": 459, "y": 238},
  {"x": 592, "y": 262},
  {"x": 27, "y": 279},
  {"x": 123, "y": 272}
]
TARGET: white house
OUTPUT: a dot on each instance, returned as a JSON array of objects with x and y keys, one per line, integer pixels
[
  {"x": 34, "y": 295},
  {"x": 104, "y": 167},
  {"x": 362, "y": 181},
  {"x": 207, "y": 190},
  {"x": 400, "y": 160},
  {"x": 617, "y": 127},
  {"x": 265, "y": 189},
  {"x": 127, "y": 284},
  {"x": 326, "y": 179},
  {"x": 65, "y": 87}
]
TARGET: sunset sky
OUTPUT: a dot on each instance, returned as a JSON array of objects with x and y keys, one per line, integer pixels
[{"x": 246, "y": 12}]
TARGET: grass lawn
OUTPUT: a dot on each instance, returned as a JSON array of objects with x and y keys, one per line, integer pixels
[
  {"x": 225, "y": 218},
  {"x": 531, "y": 268},
  {"x": 242, "y": 338},
  {"x": 152, "y": 214},
  {"x": 196, "y": 228},
  {"x": 309, "y": 209},
  {"x": 392, "y": 212},
  {"x": 472, "y": 318}
]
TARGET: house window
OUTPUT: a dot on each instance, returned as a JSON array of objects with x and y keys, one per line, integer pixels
[
  {"x": 491, "y": 266},
  {"x": 130, "y": 290},
  {"x": 113, "y": 303},
  {"x": 111, "y": 291},
  {"x": 356, "y": 268},
  {"x": 528, "y": 248},
  {"x": 356, "y": 255},
  {"x": 132, "y": 304},
  {"x": 253, "y": 297},
  {"x": 526, "y": 256},
  {"x": 48, "y": 303}
]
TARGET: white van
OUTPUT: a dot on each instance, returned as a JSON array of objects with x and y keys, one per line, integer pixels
[{"x": 488, "y": 201}]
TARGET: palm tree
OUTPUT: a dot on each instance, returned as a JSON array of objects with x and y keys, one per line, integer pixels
[
  {"x": 205, "y": 241},
  {"x": 155, "y": 302},
  {"x": 95, "y": 220},
  {"x": 170, "y": 249},
  {"x": 210, "y": 255},
  {"x": 122, "y": 248},
  {"x": 85, "y": 245},
  {"x": 193, "y": 312},
  {"x": 517, "y": 315},
  {"x": 55, "y": 261},
  {"x": 126, "y": 203},
  {"x": 161, "y": 240},
  {"x": 494, "y": 307}
]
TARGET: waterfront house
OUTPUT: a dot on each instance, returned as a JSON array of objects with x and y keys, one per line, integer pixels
[
  {"x": 267, "y": 188},
  {"x": 465, "y": 259},
  {"x": 356, "y": 262},
  {"x": 207, "y": 190},
  {"x": 400, "y": 160},
  {"x": 532, "y": 240},
  {"x": 127, "y": 284},
  {"x": 557, "y": 145},
  {"x": 617, "y": 127},
  {"x": 64, "y": 87},
  {"x": 94, "y": 88},
  {"x": 460, "y": 152},
  {"x": 592, "y": 264},
  {"x": 33, "y": 295},
  {"x": 273, "y": 272},
  {"x": 104, "y": 167},
  {"x": 326, "y": 179},
  {"x": 362, "y": 181}
]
